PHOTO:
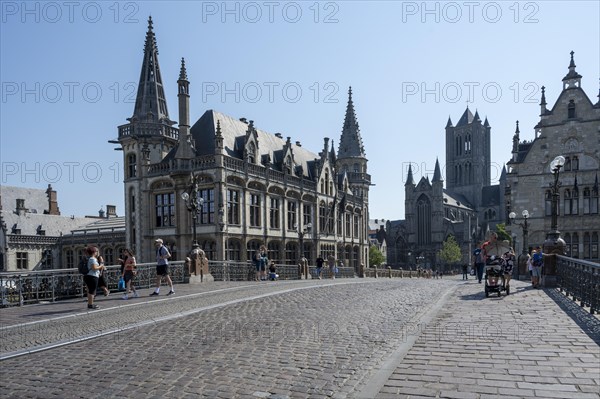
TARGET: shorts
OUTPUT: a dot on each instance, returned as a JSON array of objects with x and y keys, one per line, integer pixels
[
  {"x": 162, "y": 270},
  {"x": 92, "y": 283},
  {"x": 128, "y": 275},
  {"x": 536, "y": 271}
]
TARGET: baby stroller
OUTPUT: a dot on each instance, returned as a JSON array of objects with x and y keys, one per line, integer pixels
[{"x": 494, "y": 277}]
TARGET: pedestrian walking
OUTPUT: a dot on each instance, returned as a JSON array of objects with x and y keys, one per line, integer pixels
[
  {"x": 537, "y": 263},
  {"x": 91, "y": 278},
  {"x": 508, "y": 266},
  {"x": 320, "y": 262},
  {"x": 263, "y": 262},
  {"x": 102, "y": 278},
  {"x": 129, "y": 272},
  {"x": 331, "y": 263},
  {"x": 162, "y": 267},
  {"x": 478, "y": 262}
]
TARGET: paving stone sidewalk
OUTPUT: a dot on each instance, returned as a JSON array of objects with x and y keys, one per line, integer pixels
[{"x": 532, "y": 343}]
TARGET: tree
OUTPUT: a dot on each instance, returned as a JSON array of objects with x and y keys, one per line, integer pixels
[
  {"x": 502, "y": 234},
  {"x": 450, "y": 252},
  {"x": 375, "y": 256}
]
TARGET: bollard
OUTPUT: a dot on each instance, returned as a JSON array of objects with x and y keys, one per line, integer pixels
[
  {"x": 390, "y": 271},
  {"x": 375, "y": 271},
  {"x": 401, "y": 273}
]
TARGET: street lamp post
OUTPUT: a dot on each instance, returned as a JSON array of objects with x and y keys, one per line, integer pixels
[
  {"x": 524, "y": 253},
  {"x": 301, "y": 233},
  {"x": 555, "y": 166},
  {"x": 554, "y": 244},
  {"x": 193, "y": 202}
]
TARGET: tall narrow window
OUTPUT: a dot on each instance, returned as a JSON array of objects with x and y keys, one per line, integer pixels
[
  {"x": 594, "y": 201},
  {"x": 423, "y": 220},
  {"x": 575, "y": 246},
  {"x": 165, "y": 210},
  {"x": 594, "y": 245},
  {"x": 571, "y": 110},
  {"x": 567, "y": 238},
  {"x": 292, "y": 215},
  {"x": 587, "y": 195},
  {"x": 575, "y": 202},
  {"x": 274, "y": 214},
  {"x": 232, "y": 250},
  {"x": 207, "y": 211},
  {"x": 568, "y": 203},
  {"x": 548, "y": 203},
  {"x": 131, "y": 165},
  {"x": 575, "y": 163},
  {"x": 587, "y": 249},
  {"x": 306, "y": 215},
  {"x": 233, "y": 207},
  {"x": 255, "y": 210},
  {"x": 322, "y": 216}
]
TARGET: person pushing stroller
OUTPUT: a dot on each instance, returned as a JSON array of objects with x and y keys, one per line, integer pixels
[{"x": 493, "y": 251}]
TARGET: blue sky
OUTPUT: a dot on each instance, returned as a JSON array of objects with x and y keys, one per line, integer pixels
[{"x": 69, "y": 71}]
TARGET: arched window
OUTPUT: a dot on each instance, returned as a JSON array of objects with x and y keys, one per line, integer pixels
[
  {"x": 587, "y": 195},
  {"x": 575, "y": 246},
  {"x": 567, "y": 238},
  {"x": 274, "y": 251},
  {"x": 575, "y": 163}
]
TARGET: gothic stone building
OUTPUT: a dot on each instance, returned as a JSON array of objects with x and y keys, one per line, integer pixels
[
  {"x": 571, "y": 128},
  {"x": 467, "y": 208},
  {"x": 257, "y": 188},
  {"x": 35, "y": 236}
]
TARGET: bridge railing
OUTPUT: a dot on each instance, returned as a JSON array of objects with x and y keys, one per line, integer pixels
[
  {"x": 31, "y": 287},
  {"x": 579, "y": 279}
]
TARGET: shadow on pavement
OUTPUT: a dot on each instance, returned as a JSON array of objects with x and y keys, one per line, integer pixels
[{"x": 588, "y": 322}]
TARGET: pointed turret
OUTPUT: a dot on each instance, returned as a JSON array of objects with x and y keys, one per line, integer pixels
[
  {"x": 476, "y": 118},
  {"x": 543, "y": 109},
  {"x": 437, "y": 174},
  {"x": 186, "y": 145},
  {"x": 503, "y": 174},
  {"x": 449, "y": 124},
  {"x": 486, "y": 123},
  {"x": 597, "y": 105},
  {"x": 466, "y": 118},
  {"x": 150, "y": 103},
  {"x": 572, "y": 78},
  {"x": 351, "y": 144},
  {"x": 409, "y": 179},
  {"x": 332, "y": 155},
  {"x": 515, "y": 147}
]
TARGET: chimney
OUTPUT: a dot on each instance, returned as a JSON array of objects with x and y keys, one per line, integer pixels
[
  {"x": 244, "y": 120},
  {"x": 101, "y": 212},
  {"x": 298, "y": 144},
  {"x": 52, "y": 202},
  {"x": 278, "y": 135},
  {"x": 20, "y": 207},
  {"x": 111, "y": 211}
]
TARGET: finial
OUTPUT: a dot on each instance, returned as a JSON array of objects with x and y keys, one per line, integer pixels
[
  {"x": 543, "y": 96},
  {"x": 517, "y": 131},
  {"x": 350, "y": 93},
  {"x": 150, "y": 22},
  {"x": 572, "y": 63},
  {"x": 182, "y": 71},
  {"x": 218, "y": 127}
]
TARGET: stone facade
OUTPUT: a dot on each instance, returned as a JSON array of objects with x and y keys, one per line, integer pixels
[
  {"x": 467, "y": 208},
  {"x": 257, "y": 188},
  {"x": 570, "y": 128}
]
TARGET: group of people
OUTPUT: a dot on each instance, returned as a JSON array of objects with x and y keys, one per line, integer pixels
[
  {"x": 261, "y": 261},
  {"x": 330, "y": 263},
  {"x": 95, "y": 278},
  {"x": 494, "y": 252}
]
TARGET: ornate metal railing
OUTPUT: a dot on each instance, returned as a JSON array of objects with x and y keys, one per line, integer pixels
[
  {"x": 580, "y": 280},
  {"x": 31, "y": 287}
]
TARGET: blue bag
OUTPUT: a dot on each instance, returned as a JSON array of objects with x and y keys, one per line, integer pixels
[{"x": 121, "y": 284}]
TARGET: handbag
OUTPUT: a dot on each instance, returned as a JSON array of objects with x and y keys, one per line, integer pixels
[{"x": 121, "y": 284}]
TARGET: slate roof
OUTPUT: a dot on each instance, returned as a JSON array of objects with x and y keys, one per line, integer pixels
[
  {"x": 490, "y": 196},
  {"x": 234, "y": 133},
  {"x": 36, "y": 202},
  {"x": 466, "y": 118},
  {"x": 456, "y": 200}
]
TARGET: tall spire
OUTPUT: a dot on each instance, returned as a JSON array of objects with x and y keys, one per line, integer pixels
[
  {"x": 351, "y": 144},
  {"x": 150, "y": 103},
  {"x": 409, "y": 179},
  {"x": 186, "y": 147},
  {"x": 515, "y": 147},
  {"x": 437, "y": 174}
]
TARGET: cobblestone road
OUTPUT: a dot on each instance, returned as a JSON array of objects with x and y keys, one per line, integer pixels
[{"x": 305, "y": 339}]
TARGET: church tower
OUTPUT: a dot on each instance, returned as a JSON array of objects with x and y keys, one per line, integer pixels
[
  {"x": 145, "y": 140},
  {"x": 468, "y": 157},
  {"x": 351, "y": 154}
]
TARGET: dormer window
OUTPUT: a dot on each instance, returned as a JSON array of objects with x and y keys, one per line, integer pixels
[
  {"x": 40, "y": 231},
  {"x": 251, "y": 153},
  {"x": 571, "y": 110},
  {"x": 131, "y": 166},
  {"x": 15, "y": 229}
]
